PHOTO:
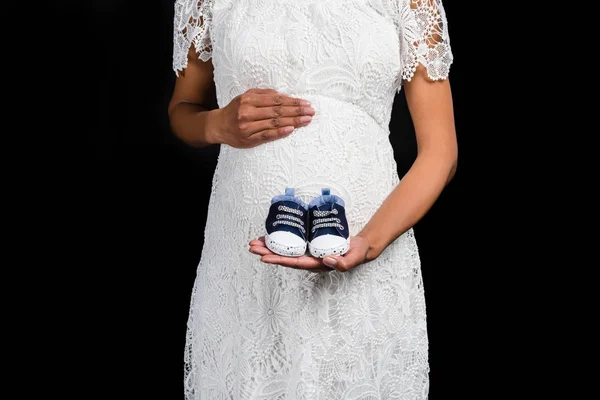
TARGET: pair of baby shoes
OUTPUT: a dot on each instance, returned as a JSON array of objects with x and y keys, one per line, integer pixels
[{"x": 321, "y": 225}]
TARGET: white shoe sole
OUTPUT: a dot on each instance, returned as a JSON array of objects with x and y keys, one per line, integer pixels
[
  {"x": 332, "y": 251},
  {"x": 284, "y": 249}
]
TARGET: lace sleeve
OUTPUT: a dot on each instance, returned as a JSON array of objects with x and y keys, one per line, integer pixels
[
  {"x": 191, "y": 25},
  {"x": 424, "y": 38}
]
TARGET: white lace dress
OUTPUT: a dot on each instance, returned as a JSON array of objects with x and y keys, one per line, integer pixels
[{"x": 259, "y": 331}]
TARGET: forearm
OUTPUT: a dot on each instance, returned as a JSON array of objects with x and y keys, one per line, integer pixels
[
  {"x": 409, "y": 201},
  {"x": 194, "y": 124}
]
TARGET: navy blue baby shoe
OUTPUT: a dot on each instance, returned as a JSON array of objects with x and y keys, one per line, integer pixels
[
  {"x": 286, "y": 225},
  {"x": 328, "y": 234}
]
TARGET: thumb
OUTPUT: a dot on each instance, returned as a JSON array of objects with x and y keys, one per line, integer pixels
[
  {"x": 343, "y": 263},
  {"x": 331, "y": 261}
]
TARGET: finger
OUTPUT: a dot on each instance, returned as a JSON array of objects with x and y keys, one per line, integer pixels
[
  {"x": 258, "y": 127},
  {"x": 335, "y": 262},
  {"x": 351, "y": 259},
  {"x": 260, "y": 250},
  {"x": 262, "y": 91},
  {"x": 270, "y": 135},
  {"x": 257, "y": 242},
  {"x": 275, "y": 99},
  {"x": 302, "y": 262},
  {"x": 267, "y": 113}
]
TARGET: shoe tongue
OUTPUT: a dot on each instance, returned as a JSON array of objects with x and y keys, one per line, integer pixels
[
  {"x": 292, "y": 203},
  {"x": 325, "y": 202},
  {"x": 326, "y": 206},
  {"x": 289, "y": 199},
  {"x": 328, "y": 230}
]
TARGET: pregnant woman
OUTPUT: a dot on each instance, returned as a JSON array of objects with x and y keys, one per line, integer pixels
[{"x": 299, "y": 94}]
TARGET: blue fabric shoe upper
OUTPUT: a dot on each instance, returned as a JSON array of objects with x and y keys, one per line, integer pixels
[
  {"x": 330, "y": 218},
  {"x": 287, "y": 213}
]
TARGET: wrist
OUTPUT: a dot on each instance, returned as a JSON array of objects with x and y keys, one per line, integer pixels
[
  {"x": 375, "y": 248},
  {"x": 212, "y": 127}
]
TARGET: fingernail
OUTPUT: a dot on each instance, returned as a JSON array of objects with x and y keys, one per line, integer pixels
[
  {"x": 310, "y": 110},
  {"x": 330, "y": 262},
  {"x": 288, "y": 129},
  {"x": 305, "y": 118},
  {"x": 304, "y": 103}
]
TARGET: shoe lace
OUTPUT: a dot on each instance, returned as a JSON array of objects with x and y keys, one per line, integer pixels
[
  {"x": 322, "y": 222},
  {"x": 291, "y": 220}
]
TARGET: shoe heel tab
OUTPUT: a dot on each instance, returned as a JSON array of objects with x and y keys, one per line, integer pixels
[
  {"x": 326, "y": 191},
  {"x": 290, "y": 191}
]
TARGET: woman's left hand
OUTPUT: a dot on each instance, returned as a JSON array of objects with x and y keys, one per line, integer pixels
[{"x": 356, "y": 254}]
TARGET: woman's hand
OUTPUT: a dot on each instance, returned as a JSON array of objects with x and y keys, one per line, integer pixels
[
  {"x": 356, "y": 255},
  {"x": 258, "y": 116}
]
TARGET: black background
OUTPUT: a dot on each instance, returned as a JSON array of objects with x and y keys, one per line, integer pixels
[{"x": 148, "y": 199}]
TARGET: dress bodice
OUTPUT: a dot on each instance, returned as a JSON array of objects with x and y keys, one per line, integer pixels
[
  {"x": 342, "y": 49},
  {"x": 356, "y": 51}
]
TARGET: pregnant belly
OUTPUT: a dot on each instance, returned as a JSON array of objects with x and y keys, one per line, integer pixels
[{"x": 343, "y": 148}]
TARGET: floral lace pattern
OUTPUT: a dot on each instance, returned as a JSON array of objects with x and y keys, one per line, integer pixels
[
  {"x": 258, "y": 331},
  {"x": 191, "y": 26},
  {"x": 423, "y": 27}
]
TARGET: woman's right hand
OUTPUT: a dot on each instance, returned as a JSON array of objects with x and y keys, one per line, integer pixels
[{"x": 259, "y": 116}]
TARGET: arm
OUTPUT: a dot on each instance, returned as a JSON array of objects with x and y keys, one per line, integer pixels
[
  {"x": 193, "y": 103},
  {"x": 250, "y": 119},
  {"x": 430, "y": 106},
  {"x": 426, "y": 58}
]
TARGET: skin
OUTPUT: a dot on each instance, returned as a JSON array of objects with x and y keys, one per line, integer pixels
[
  {"x": 250, "y": 119},
  {"x": 258, "y": 116}
]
